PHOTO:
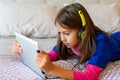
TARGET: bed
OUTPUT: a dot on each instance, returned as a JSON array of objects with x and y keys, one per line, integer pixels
[{"x": 36, "y": 20}]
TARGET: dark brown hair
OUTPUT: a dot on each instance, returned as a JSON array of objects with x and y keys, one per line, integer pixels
[{"x": 69, "y": 17}]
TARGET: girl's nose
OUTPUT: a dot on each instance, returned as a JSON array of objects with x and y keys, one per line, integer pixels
[{"x": 63, "y": 38}]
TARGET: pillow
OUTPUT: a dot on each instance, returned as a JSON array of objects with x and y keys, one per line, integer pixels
[
  {"x": 87, "y": 1},
  {"x": 30, "y": 19},
  {"x": 106, "y": 17},
  {"x": 59, "y": 3}
]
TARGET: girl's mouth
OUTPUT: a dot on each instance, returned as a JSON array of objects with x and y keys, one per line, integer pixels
[{"x": 66, "y": 44}]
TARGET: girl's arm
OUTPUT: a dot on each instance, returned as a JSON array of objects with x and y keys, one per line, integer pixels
[
  {"x": 61, "y": 72},
  {"x": 53, "y": 55},
  {"x": 43, "y": 61},
  {"x": 91, "y": 73}
]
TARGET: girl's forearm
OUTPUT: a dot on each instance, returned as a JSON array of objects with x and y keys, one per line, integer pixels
[
  {"x": 91, "y": 72},
  {"x": 61, "y": 72}
]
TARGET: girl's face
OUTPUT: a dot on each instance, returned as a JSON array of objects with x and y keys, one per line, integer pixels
[{"x": 68, "y": 36}]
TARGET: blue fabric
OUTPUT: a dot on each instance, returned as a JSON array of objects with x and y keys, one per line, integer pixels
[
  {"x": 115, "y": 46},
  {"x": 55, "y": 48},
  {"x": 106, "y": 49}
]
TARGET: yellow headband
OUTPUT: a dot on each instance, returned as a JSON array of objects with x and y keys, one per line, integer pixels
[{"x": 82, "y": 18}]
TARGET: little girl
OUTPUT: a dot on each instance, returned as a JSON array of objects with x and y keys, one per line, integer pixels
[{"x": 78, "y": 36}]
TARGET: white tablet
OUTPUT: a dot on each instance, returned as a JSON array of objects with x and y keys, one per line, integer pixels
[{"x": 30, "y": 48}]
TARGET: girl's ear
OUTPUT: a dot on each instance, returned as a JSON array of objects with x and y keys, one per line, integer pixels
[{"x": 81, "y": 33}]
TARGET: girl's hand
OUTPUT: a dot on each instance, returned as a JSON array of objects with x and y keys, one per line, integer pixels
[
  {"x": 16, "y": 48},
  {"x": 43, "y": 61}
]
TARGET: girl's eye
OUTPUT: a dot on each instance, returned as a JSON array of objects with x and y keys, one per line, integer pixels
[{"x": 67, "y": 33}]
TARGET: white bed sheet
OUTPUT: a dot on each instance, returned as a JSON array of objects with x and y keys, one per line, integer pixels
[{"x": 11, "y": 67}]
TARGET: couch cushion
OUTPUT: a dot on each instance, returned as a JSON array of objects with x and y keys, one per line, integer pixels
[
  {"x": 34, "y": 20},
  {"x": 106, "y": 17}
]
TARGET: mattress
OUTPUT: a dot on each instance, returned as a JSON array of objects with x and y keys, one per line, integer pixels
[{"x": 13, "y": 69}]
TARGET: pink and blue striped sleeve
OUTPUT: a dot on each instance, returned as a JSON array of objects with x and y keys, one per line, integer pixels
[
  {"x": 91, "y": 72},
  {"x": 53, "y": 54}
]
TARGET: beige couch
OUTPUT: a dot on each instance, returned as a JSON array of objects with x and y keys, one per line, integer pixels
[{"x": 36, "y": 21}]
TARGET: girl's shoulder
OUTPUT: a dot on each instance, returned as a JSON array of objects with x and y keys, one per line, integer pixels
[
  {"x": 100, "y": 35},
  {"x": 116, "y": 34}
]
